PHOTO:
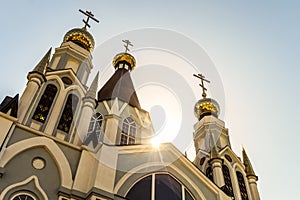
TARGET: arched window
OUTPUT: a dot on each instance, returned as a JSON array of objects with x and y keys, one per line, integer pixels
[
  {"x": 128, "y": 131},
  {"x": 209, "y": 174},
  {"x": 68, "y": 114},
  {"x": 45, "y": 103},
  {"x": 141, "y": 190},
  {"x": 227, "y": 179},
  {"x": 23, "y": 196},
  {"x": 164, "y": 187},
  {"x": 94, "y": 132},
  {"x": 242, "y": 185},
  {"x": 95, "y": 123}
]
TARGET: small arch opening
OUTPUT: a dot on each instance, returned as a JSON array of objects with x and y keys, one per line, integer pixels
[
  {"x": 227, "y": 188},
  {"x": 242, "y": 186},
  {"x": 45, "y": 103},
  {"x": 68, "y": 113}
]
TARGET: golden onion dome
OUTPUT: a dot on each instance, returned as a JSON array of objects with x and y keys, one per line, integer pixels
[
  {"x": 206, "y": 106},
  {"x": 124, "y": 60},
  {"x": 81, "y": 37}
]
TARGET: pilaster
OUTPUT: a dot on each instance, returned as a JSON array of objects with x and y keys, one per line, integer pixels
[
  {"x": 216, "y": 164},
  {"x": 111, "y": 129},
  {"x": 84, "y": 119},
  {"x": 253, "y": 187},
  {"x": 34, "y": 83}
]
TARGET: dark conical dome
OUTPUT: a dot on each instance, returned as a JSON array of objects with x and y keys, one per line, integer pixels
[
  {"x": 81, "y": 37},
  {"x": 120, "y": 85}
]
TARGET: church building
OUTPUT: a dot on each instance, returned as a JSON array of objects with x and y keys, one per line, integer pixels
[{"x": 62, "y": 139}]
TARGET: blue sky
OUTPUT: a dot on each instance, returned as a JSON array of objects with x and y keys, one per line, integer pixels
[{"x": 254, "y": 45}]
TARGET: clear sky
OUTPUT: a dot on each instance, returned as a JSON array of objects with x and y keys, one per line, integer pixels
[{"x": 254, "y": 46}]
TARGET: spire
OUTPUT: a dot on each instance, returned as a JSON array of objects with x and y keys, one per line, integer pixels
[
  {"x": 248, "y": 167},
  {"x": 214, "y": 153},
  {"x": 92, "y": 91},
  {"x": 43, "y": 64},
  {"x": 120, "y": 85}
]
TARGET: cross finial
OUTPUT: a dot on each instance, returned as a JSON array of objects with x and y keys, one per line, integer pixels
[
  {"x": 127, "y": 43},
  {"x": 89, "y": 15},
  {"x": 202, "y": 78}
]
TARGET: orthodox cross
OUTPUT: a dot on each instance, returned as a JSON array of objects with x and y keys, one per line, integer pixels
[
  {"x": 127, "y": 43},
  {"x": 89, "y": 15},
  {"x": 202, "y": 78}
]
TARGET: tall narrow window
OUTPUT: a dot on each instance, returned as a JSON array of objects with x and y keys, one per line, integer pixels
[
  {"x": 166, "y": 187},
  {"x": 242, "y": 185},
  {"x": 95, "y": 123},
  {"x": 94, "y": 132},
  {"x": 128, "y": 132},
  {"x": 68, "y": 113},
  {"x": 209, "y": 174},
  {"x": 45, "y": 103},
  {"x": 227, "y": 179}
]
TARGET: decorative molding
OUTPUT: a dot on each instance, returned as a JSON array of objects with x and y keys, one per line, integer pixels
[
  {"x": 25, "y": 182},
  {"x": 178, "y": 174},
  {"x": 51, "y": 147}
]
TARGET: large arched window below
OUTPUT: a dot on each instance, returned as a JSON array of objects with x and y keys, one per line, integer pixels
[
  {"x": 45, "y": 103},
  {"x": 68, "y": 114},
  {"x": 242, "y": 185},
  {"x": 23, "y": 196},
  {"x": 128, "y": 132},
  {"x": 227, "y": 179},
  {"x": 161, "y": 187},
  {"x": 94, "y": 134}
]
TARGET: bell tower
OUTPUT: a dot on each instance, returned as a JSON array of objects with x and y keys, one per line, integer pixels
[
  {"x": 56, "y": 94},
  {"x": 214, "y": 156},
  {"x": 118, "y": 111}
]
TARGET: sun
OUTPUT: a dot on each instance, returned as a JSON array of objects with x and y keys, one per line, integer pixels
[{"x": 155, "y": 142}]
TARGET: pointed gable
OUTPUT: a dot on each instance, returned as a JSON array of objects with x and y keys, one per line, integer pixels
[{"x": 10, "y": 104}]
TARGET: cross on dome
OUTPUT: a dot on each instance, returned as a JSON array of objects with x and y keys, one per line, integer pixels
[
  {"x": 127, "y": 43},
  {"x": 202, "y": 78},
  {"x": 89, "y": 15}
]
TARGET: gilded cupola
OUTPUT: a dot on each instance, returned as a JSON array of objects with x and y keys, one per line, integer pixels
[
  {"x": 124, "y": 60},
  {"x": 205, "y": 106},
  {"x": 81, "y": 37}
]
